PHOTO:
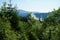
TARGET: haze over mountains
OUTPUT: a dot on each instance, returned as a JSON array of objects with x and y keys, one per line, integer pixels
[{"x": 24, "y": 13}]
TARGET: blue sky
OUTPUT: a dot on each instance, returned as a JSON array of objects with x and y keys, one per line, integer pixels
[{"x": 35, "y": 5}]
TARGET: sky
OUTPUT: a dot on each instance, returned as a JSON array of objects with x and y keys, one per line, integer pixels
[{"x": 35, "y": 5}]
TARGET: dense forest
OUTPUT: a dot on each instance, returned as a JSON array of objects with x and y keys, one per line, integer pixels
[{"x": 15, "y": 27}]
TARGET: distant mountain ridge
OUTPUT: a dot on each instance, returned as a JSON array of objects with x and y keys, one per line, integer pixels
[{"x": 24, "y": 13}]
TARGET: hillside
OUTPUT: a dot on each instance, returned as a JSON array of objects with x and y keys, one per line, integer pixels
[{"x": 38, "y": 15}]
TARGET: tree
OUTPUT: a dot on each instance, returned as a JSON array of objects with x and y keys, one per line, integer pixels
[{"x": 52, "y": 22}]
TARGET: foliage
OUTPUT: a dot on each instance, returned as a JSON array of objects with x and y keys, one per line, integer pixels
[
  {"x": 15, "y": 27},
  {"x": 52, "y": 23}
]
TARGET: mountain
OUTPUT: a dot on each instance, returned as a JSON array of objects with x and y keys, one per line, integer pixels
[
  {"x": 41, "y": 15},
  {"x": 23, "y": 13},
  {"x": 38, "y": 15}
]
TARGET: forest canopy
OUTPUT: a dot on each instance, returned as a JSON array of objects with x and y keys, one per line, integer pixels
[{"x": 15, "y": 27}]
